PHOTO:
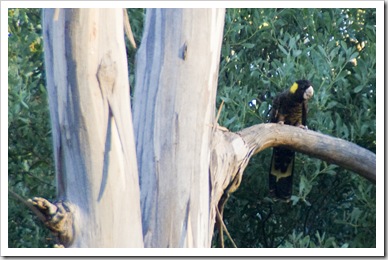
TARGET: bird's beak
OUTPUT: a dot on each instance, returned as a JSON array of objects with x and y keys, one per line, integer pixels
[{"x": 308, "y": 93}]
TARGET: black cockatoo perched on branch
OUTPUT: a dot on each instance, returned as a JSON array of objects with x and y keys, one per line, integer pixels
[{"x": 289, "y": 107}]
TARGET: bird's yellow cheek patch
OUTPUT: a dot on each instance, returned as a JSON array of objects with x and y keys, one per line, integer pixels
[{"x": 294, "y": 87}]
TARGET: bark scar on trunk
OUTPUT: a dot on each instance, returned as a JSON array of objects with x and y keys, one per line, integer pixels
[{"x": 58, "y": 218}]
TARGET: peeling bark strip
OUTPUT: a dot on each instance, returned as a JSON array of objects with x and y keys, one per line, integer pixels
[{"x": 128, "y": 30}]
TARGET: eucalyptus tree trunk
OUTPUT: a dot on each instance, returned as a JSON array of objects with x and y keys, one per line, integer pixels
[
  {"x": 174, "y": 108},
  {"x": 94, "y": 149}
]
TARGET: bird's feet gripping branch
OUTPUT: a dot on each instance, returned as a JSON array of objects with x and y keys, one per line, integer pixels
[{"x": 290, "y": 108}]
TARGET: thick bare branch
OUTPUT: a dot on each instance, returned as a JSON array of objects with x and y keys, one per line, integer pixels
[
  {"x": 231, "y": 153},
  {"x": 333, "y": 150}
]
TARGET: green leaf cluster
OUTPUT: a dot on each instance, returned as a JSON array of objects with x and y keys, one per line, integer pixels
[
  {"x": 264, "y": 51},
  {"x": 30, "y": 161},
  {"x": 136, "y": 18}
]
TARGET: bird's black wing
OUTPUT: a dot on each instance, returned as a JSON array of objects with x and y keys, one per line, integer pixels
[
  {"x": 274, "y": 110},
  {"x": 282, "y": 161},
  {"x": 304, "y": 113}
]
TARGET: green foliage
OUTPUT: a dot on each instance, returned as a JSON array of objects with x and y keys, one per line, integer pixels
[
  {"x": 136, "y": 18},
  {"x": 264, "y": 51},
  {"x": 30, "y": 163}
]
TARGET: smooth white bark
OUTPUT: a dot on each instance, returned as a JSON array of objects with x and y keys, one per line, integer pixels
[
  {"x": 94, "y": 148},
  {"x": 174, "y": 105}
]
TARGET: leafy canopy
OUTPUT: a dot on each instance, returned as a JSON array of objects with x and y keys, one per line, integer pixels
[{"x": 264, "y": 51}]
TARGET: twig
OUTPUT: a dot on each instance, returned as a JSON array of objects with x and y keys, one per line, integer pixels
[
  {"x": 219, "y": 218},
  {"x": 28, "y": 205}
]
